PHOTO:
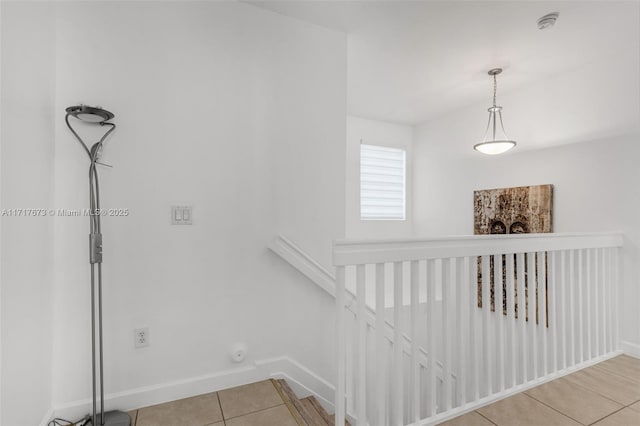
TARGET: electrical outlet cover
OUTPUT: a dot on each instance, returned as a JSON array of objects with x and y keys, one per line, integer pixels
[{"x": 141, "y": 337}]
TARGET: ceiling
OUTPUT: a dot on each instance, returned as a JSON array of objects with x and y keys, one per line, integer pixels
[{"x": 413, "y": 61}]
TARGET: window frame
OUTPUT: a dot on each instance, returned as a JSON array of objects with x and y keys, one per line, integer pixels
[{"x": 382, "y": 148}]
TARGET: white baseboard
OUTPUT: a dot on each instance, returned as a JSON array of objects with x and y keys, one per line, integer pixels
[
  {"x": 303, "y": 382},
  {"x": 631, "y": 349}
]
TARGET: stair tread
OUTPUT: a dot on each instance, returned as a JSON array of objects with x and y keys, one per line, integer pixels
[
  {"x": 311, "y": 414},
  {"x": 319, "y": 409},
  {"x": 304, "y": 417},
  {"x": 307, "y": 411},
  {"x": 290, "y": 400},
  {"x": 302, "y": 408}
]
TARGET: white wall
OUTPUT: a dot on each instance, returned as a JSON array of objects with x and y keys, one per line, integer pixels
[
  {"x": 594, "y": 190},
  {"x": 588, "y": 150},
  {"x": 26, "y": 151},
  {"x": 583, "y": 104},
  {"x": 375, "y": 132},
  {"x": 229, "y": 108},
  {"x": 588, "y": 185}
]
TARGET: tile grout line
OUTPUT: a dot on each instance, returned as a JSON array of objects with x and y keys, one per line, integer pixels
[
  {"x": 485, "y": 417},
  {"x": 554, "y": 409},
  {"x": 589, "y": 389},
  {"x": 610, "y": 370},
  {"x": 288, "y": 404},
  {"x": 250, "y": 412},
  {"x": 608, "y": 415},
  {"x": 253, "y": 412},
  {"x": 221, "y": 412}
]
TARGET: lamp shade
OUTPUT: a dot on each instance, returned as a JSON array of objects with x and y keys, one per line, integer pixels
[{"x": 494, "y": 147}]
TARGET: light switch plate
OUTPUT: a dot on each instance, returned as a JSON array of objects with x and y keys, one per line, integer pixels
[{"x": 181, "y": 215}]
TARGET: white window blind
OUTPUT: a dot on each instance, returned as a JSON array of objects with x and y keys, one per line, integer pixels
[{"x": 382, "y": 183}]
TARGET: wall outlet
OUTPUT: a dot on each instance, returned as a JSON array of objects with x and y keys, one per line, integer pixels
[{"x": 141, "y": 337}]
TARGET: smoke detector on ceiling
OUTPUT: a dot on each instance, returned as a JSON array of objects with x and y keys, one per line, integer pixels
[{"x": 548, "y": 20}]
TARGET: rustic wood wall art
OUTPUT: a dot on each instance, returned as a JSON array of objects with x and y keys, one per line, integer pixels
[{"x": 518, "y": 210}]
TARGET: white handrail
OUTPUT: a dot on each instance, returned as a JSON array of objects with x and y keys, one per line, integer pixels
[
  {"x": 358, "y": 252},
  {"x": 304, "y": 263}
]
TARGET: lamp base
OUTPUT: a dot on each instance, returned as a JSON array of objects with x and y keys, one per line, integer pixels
[{"x": 114, "y": 418}]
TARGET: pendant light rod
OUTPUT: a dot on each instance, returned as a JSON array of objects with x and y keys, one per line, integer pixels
[{"x": 493, "y": 73}]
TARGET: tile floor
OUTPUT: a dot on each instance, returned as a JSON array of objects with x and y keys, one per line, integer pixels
[
  {"x": 257, "y": 404},
  {"x": 607, "y": 394}
]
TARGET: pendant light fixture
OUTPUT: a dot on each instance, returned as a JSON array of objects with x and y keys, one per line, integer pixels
[{"x": 495, "y": 139}]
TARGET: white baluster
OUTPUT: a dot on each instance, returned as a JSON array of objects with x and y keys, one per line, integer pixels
[
  {"x": 431, "y": 377},
  {"x": 580, "y": 306},
  {"x": 613, "y": 276},
  {"x": 381, "y": 347},
  {"x": 606, "y": 300},
  {"x": 563, "y": 306},
  {"x": 603, "y": 302},
  {"x": 351, "y": 375},
  {"x": 572, "y": 309},
  {"x": 511, "y": 321},
  {"x": 340, "y": 406},
  {"x": 448, "y": 279},
  {"x": 533, "y": 305},
  {"x": 499, "y": 316},
  {"x": 361, "y": 338},
  {"x": 396, "y": 394},
  {"x": 463, "y": 328},
  {"x": 606, "y": 294},
  {"x": 617, "y": 265},
  {"x": 475, "y": 348},
  {"x": 552, "y": 295},
  {"x": 486, "y": 330},
  {"x": 589, "y": 311},
  {"x": 543, "y": 310},
  {"x": 596, "y": 302},
  {"x": 522, "y": 315},
  {"x": 415, "y": 360}
]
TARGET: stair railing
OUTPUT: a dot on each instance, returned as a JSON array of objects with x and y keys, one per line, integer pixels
[
  {"x": 326, "y": 280},
  {"x": 498, "y": 313}
]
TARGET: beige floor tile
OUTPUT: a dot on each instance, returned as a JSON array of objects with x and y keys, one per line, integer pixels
[
  {"x": 635, "y": 406},
  {"x": 625, "y": 417},
  {"x": 469, "y": 419},
  {"x": 134, "y": 415},
  {"x": 522, "y": 410},
  {"x": 275, "y": 416},
  {"x": 196, "y": 411},
  {"x": 613, "y": 386},
  {"x": 574, "y": 401},
  {"x": 623, "y": 365},
  {"x": 249, "y": 398},
  {"x": 631, "y": 359}
]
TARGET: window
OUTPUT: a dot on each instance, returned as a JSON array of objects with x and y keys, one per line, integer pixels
[{"x": 382, "y": 183}]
